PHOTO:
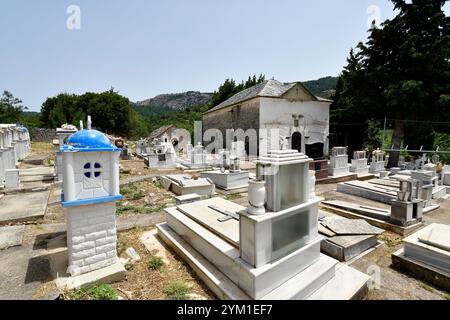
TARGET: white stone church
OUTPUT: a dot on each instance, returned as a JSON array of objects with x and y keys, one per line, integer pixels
[{"x": 300, "y": 116}]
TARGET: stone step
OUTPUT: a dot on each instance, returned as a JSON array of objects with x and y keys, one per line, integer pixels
[
  {"x": 255, "y": 282},
  {"x": 306, "y": 282},
  {"x": 347, "y": 283},
  {"x": 366, "y": 192},
  {"x": 216, "y": 281}
]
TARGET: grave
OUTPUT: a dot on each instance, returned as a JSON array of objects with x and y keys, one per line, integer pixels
[
  {"x": 188, "y": 198},
  {"x": 11, "y": 236},
  {"x": 90, "y": 190},
  {"x": 426, "y": 255},
  {"x": 63, "y": 134},
  {"x": 338, "y": 162},
  {"x": 269, "y": 250},
  {"x": 320, "y": 167},
  {"x": 375, "y": 215},
  {"x": 12, "y": 178},
  {"x": 142, "y": 148},
  {"x": 359, "y": 163},
  {"x": 183, "y": 184},
  {"x": 430, "y": 182},
  {"x": 229, "y": 176},
  {"x": 14, "y": 146},
  {"x": 378, "y": 161},
  {"x": 446, "y": 175},
  {"x": 238, "y": 149},
  {"x": 196, "y": 157},
  {"x": 345, "y": 239},
  {"x": 407, "y": 209},
  {"x": 385, "y": 191},
  {"x": 162, "y": 156},
  {"x": 23, "y": 207}
]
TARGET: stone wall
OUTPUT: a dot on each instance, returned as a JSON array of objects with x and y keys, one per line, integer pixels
[
  {"x": 43, "y": 135},
  {"x": 91, "y": 237},
  {"x": 242, "y": 116}
]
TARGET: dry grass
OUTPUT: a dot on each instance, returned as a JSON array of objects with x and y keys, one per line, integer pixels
[
  {"x": 143, "y": 197},
  {"x": 42, "y": 147},
  {"x": 391, "y": 239},
  {"x": 144, "y": 283}
]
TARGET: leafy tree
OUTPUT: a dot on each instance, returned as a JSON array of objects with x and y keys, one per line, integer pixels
[
  {"x": 229, "y": 88},
  {"x": 11, "y": 108},
  {"x": 402, "y": 72},
  {"x": 110, "y": 111}
]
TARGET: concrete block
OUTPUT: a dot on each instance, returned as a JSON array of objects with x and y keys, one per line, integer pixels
[
  {"x": 12, "y": 178},
  {"x": 109, "y": 274},
  {"x": 11, "y": 236}
]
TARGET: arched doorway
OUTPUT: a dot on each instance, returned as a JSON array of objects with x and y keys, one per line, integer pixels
[{"x": 296, "y": 141}]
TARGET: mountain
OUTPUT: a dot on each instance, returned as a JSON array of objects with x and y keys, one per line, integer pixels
[
  {"x": 173, "y": 101},
  {"x": 323, "y": 87}
]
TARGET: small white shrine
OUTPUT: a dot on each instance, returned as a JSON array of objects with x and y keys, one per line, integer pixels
[
  {"x": 338, "y": 162},
  {"x": 90, "y": 190},
  {"x": 378, "y": 161},
  {"x": 359, "y": 163},
  {"x": 407, "y": 209},
  {"x": 229, "y": 176},
  {"x": 63, "y": 134},
  {"x": 15, "y": 145},
  {"x": 196, "y": 157},
  {"x": 162, "y": 156}
]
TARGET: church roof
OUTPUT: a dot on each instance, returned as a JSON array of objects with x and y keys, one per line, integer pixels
[
  {"x": 160, "y": 131},
  {"x": 268, "y": 88},
  {"x": 88, "y": 141}
]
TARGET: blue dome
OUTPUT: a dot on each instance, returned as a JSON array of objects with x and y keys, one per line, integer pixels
[{"x": 88, "y": 140}]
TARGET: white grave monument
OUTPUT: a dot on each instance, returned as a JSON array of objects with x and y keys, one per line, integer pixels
[
  {"x": 238, "y": 149},
  {"x": 196, "y": 157},
  {"x": 378, "y": 161},
  {"x": 446, "y": 175},
  {"x": 269, "y": 250},
  {"x": 14, "y": 146},
  {"x": 63, "y": 134},
  {"x": 162, "y": 156},
  {"x": 359, "y": 163},
  {"x": 229, "y": 176},
  {"x": 338, "y": 162},
  {"x": 426, "y": 254},
  {"x": 90, "y": 190},
  {"x": 407, "y": 209}
]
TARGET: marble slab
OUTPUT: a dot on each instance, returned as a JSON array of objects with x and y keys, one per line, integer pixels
[
  {"x": 23, "y": 207},
  {"x": 438, "y": 236},
  {"x": 426, "y": 253},
  {"x": 209, "y": 218},
  {"x": 351, "y": 227},
  {"x": 11, "y": 236}
]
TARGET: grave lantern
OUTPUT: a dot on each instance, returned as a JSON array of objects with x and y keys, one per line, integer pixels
[{"x": 90, "y": 189}]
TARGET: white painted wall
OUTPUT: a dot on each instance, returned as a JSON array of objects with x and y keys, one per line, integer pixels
[{"x": 277, "y": 113}]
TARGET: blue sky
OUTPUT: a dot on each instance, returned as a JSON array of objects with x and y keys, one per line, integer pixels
[{"x": 146, "y": 47}]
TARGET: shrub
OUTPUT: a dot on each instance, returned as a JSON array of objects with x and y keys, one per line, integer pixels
[
  {"x": 101, "y": 292},
  {"x": 176, "y": 290},
  {"x": 155, "y": 263}
]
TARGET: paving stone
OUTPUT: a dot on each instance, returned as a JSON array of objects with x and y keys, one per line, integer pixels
[
  {"x": 438, "y": 236},
  {"x": 23, "y": 206},
  {"x": 351, "y": 227},
  {"x": 11, "y": 236}
]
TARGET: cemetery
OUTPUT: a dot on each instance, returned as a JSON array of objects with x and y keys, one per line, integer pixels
[
  {"x": 289, "y": 215},
  {"x": 276, "y": 226},
  {"x": 262, "y": 243}
]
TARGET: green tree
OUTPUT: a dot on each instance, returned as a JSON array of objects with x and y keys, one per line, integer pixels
[
  {"x": 110, "y": 111},
  {"x": 402, "y": 72},
  {"x": 229, "y": 88},
  {"x": 11, "y": 108}
]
